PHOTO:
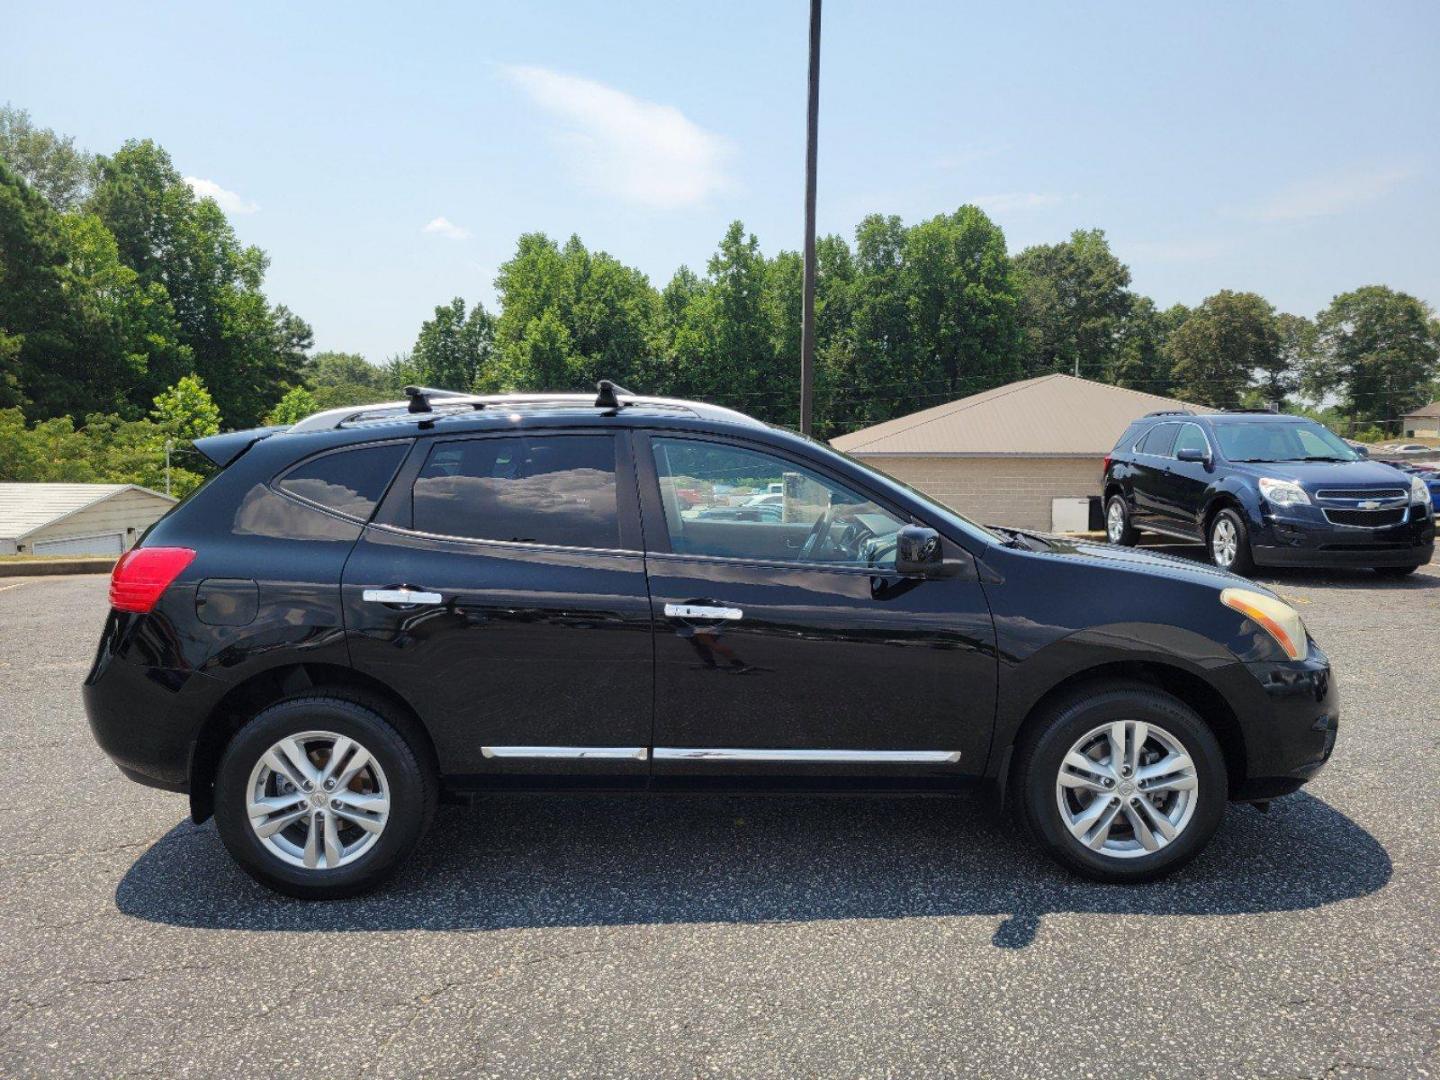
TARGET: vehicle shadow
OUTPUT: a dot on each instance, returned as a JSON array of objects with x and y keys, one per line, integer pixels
[
  {"x": 582, "y": 860},
  {"x": 1336, "y": 578}
]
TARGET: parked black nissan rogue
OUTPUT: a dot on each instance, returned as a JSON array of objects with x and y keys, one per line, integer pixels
[
  {"x": 378, "y": 605},
  {"x": 1265, "y": 489}
]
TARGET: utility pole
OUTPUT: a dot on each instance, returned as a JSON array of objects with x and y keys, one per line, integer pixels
[
  {"x": 807, "y": 304},
  {"x": 169, "y": 445}
]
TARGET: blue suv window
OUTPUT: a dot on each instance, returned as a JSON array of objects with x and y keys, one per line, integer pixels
[{"x": 1160, "y": 440}]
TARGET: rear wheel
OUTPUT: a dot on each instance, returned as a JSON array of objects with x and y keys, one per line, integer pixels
[
  {"x": 1229, "y": 543},
  {"x": 1121, "y": 782},
  {"x": 1118, "y": 529},
  {"x": 321, "y": 797}
]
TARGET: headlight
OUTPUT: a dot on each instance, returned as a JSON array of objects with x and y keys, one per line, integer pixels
[
  {"x": 1277, "y": 618},
  {"x": 1420, "y": 491},
  {"x": 1283, "y": 492}
]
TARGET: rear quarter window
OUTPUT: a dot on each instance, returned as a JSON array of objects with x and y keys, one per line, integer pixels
[{"x": 349, "y": 481}]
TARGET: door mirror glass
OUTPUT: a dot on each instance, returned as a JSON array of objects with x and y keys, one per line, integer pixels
[{"x": 919, "y": 551}]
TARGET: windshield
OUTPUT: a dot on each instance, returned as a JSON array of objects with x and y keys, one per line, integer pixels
[
  {"x": 1271, "y": 441},
  {"x": 943, "y": 513}
]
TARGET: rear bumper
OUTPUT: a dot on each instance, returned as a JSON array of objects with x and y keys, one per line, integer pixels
[{"x": 1304, "y": 541}]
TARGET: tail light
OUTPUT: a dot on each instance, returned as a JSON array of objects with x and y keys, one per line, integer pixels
[
  {"x": 143, "y": 574},
  {"x": 1106, "y": 472}
]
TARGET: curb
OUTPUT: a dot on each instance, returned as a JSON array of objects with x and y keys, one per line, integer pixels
[{"x": 41, "y": 567}]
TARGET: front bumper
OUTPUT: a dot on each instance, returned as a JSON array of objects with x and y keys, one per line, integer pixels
[
  {"x": 1291, "y": 729},
  {"x": 1303, "y": 537}
]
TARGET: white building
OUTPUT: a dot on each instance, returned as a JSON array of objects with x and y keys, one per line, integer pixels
[{"x": 76, "y": 519}]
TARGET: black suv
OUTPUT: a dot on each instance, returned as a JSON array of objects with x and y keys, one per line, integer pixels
[
  {"x": 377, "y": 606},
  {"x": 1265, "y": 489}
]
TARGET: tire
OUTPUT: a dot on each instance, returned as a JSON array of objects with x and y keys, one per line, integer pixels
[
  {"x": 1118, "y": 529},
  {"x": 1395, "y": 571},
  {"x": 395, "y": 788},
  {"x": 1050, "y": 811},
  {"x": 1243, "y": 560}
]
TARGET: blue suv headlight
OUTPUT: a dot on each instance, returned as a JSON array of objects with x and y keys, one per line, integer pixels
[{"x": 1283, "y": 492}]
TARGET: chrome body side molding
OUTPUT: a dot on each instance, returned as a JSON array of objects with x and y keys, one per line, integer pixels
[
  {"x": 609, "y": 753},
  {"x": 861, "y": 757}
]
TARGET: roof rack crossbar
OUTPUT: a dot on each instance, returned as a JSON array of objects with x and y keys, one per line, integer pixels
[
  {"x": 420, "y": 397},
  {"x": 608, "y": 395},
  {"x": 1171, "y": 412}
]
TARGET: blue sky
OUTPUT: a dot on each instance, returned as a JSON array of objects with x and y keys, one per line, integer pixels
[{"x": 387, "y": 156}]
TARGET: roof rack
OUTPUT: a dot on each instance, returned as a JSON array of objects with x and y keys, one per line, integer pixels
[
  {"x": 1269, "y": 410},
  {"x": 421, "y": 403},
  {"x": 1171, "y": 412}
]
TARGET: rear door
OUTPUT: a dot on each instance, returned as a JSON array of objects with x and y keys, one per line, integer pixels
[
  {"x": 791, "y": 645},
  {"x": 501, "y": 590}
]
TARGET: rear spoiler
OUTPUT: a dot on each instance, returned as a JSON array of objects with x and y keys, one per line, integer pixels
[{"x": 224, "y": 448}]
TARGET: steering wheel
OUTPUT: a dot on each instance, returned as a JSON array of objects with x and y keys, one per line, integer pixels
[{"x": 818, "y": 532}]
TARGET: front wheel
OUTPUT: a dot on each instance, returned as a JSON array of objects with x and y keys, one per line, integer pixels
[
  {"x": 1122, "y": 782},
  {"x": 321, "y": 797},
  {"x": 1229, "y": 543}
]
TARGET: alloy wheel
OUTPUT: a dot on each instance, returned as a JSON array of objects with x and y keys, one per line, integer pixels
[
  {"x": 318, "y": 800},
  {"x": 1126, "y": 789},
  {"x": 1224, "y": 542},
  {"x": 1115, "y": 521}
]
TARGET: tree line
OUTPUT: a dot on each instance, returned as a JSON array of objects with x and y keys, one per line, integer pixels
[{"x": 124, "y": 296}]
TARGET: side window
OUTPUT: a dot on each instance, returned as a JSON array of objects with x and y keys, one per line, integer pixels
[
  {"x": 350, "y": 482},
  {"x": 541, "y": 489},
  {"x": 1160, "y": 440},
  {"x": 1191, "y": 438},
  {"x": 730, "y": 501}
]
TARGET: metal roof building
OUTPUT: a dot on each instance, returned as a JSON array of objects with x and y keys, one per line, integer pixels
[
  {"x": 76, "y": 519},
  {"x": 1007, "y": 455}
]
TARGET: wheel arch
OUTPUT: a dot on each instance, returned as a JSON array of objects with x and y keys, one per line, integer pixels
[
  {"x": 1186, "y": 686},
  {"x": 276, "y": 684},
  {"x": 1219, "y": 500}
]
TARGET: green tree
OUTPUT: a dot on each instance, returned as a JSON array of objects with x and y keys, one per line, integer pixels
[
  {"x": 1275, "y": 384},
  {"x": 1141, "y": 361},
  {"x": 50, "y": 163},
  {"x": 297, "y": 404},
  {"x": 1377, "y": 350},
  {"x": 36, "y": 344},
  {"x": 186, "y": 411},
  {"x": 454, "y": 349},
  {"x": 339, "y": 378},
  {"x": 1215, "y": 351},
  {"x": 1075, "y": 299},
  {"x": 48, "y": 450},
  {"x": 963, "y": 302},
  {"x": 246, "y": 351}
]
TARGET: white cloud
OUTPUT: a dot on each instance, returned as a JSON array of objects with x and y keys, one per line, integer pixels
[
  {"x": 227, "y": 200},
  {"x": 635, "y": 150},
  {"x": 1008, "y": 201},
  {"x": 1325, "y": 196},
  {"x": 442, "y": 226}
]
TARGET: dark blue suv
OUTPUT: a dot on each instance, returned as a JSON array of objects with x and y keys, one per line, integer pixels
[{"x": 1266, "y": 489}]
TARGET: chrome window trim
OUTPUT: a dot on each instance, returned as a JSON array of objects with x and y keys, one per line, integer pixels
[
  {"x": 872, "y": 757},
  {"x": 574, "y": 753}
]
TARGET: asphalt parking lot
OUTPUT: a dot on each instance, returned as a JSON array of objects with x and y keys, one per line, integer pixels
[{"x": 687, "y": 936}]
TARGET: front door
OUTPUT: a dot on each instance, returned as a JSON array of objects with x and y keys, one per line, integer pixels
[
  {"x": 784, "y": 639},
  {"x": 501, "y": 591},
  {"x": 1187, "y": 481}
]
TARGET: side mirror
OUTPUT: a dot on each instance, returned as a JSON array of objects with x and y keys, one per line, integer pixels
[
  {"x": 1192, "y": 453},
  {"x": 918, "y": 550},
  {"x": 1363, "y": 451}
]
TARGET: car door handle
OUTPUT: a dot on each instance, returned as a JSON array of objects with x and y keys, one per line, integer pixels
[
  {"x": 401, "y": 596},
  {"x": 702, "y": 611}
]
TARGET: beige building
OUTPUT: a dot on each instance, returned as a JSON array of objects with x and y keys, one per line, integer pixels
[
  {"x": 1424, "y": 422},
  {"x": 1028, "y": 454},
  {"x": 76, "y": 519}
]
